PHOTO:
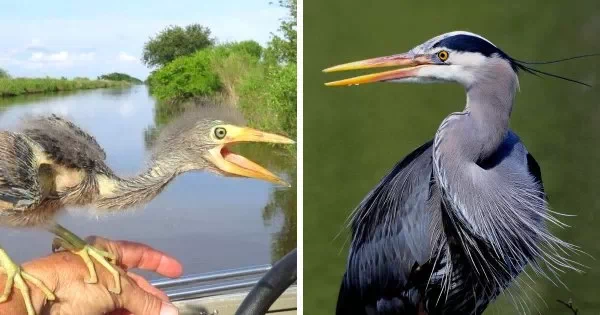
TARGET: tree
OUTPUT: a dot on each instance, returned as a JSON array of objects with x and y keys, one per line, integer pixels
[
  {"x": 4, "y": 74},
  {"x": 186, "y": 77},
  {"x": 205, "y": 72},
  {"x": 176, "y": 41},
  {"x": 249, "y": 47},
  {"x": 116, "y": 76},
  {"x": 283, "y": 49}
]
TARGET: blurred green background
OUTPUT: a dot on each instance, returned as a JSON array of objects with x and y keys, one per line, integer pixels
[{"x": 354, "y": 135}]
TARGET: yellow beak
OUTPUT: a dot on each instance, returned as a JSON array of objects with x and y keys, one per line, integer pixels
[
  {"x": 237, "y": 165},
  {"x": 415, "y": 61}
]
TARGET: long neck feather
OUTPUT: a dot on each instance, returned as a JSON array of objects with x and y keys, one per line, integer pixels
[
  {"x": 122, "y": 193},
  {"x": 492, "y": 207}
]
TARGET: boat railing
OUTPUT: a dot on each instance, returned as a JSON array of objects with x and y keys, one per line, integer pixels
[{"x": 211, "y": 283}]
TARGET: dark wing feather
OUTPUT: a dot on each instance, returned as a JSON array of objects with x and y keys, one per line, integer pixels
[
  {"x": 534, "y": 169},
  {"x": 66, "y": 143},
  {"x": 349, "y": 300},
  {"x": 19, "y": 185},
  {"x": 391, "y": 241}
]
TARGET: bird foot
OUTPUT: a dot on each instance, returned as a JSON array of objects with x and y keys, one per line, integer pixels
[
  {"x": 15, "y": 277},
  {"x": 88, "y": 252}
]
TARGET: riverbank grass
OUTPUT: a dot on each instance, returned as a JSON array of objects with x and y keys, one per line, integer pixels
[{"x": 21, "y": 86}]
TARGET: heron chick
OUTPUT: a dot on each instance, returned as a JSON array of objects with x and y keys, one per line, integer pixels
[
  {"x": 458, "y": 219},
  {"x": 50, "y": 164}
]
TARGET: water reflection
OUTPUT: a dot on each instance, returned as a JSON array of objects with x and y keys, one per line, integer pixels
[
  {"x": 208, "y": 222},
  {"x": 7, "y": 102},
  {"x": 282, "y": 201}
]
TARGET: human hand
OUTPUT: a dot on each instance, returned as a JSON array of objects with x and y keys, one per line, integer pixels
[{"x": 64, "y": 274}]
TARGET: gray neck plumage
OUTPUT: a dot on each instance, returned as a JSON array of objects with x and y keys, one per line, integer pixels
[
  {"x": 493, "y": 217},
  {"x": 489, "y": 104},
  {"x": 466, "y": 138},
  {"x": 122, "y": 193},
  {"x": 462, "y": 141}
]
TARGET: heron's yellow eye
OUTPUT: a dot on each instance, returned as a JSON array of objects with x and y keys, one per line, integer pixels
[
  {"x": 220, "y": 133},
  {"x": 443, "y": 55}
]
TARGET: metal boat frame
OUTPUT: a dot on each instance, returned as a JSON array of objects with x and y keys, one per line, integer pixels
[{"x": 221, "y": 292}]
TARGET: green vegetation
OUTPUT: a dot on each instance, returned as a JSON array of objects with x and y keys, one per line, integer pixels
[
  {"x": 205, "y": 73},
  {"x": 4, "y": 74},
  {"x": 185, "y": 78},
  {"x": 283, "y": 49},
  {"x": 261, "y": 82},
  {"x": 116, "y": 76},
  {"x": 174, "y": 42},
  {"x": 20, "y": 86},
  {"x": 267, "y": 95},
  {"x": 267, "y": 98}
]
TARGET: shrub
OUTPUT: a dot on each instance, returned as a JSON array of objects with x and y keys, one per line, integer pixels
[
  {"x": 116, "y": 76},
  {"x": 174, "y": 42},
  {"x": 4, "y": 74},
  {"x": 19, "y": 86},
  {"x": 186, "y": 77},
  {"x": 205, "y": 73},
  {"x": 268, "y": 98}
]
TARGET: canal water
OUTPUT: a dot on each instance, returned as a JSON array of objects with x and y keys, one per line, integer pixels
[{"x": 208, "y": 222}]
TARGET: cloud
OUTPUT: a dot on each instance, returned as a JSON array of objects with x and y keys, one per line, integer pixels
[
  {"x": 46, "y": 57},
  {"x": 62, "y": 42},
  {"x": 87, "y": 56},
  {"x": 61, "y": 57},
  {"x": 35, "y": 43},
  {"x": 123, "y": 56}
]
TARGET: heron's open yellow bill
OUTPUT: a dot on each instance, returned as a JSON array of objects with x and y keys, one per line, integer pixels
[
  {"x": 237, "y": 165},
  {"x": 414, "y": 63}
]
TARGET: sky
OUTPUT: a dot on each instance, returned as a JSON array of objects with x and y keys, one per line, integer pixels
[{"x": 89, "y": 38}]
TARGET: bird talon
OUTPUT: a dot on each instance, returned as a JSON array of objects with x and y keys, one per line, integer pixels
[
  {"x": 109, "y": 256},
  {"x": 115, "y": 290},
  {"x": 91, "y": 280},
  {"x": 16, "y": 277},
  {"x": 79, "y": 247},
  {"x": 105, "y": 259},
  {"x": 40, "y": 285},
  {"x": 56, "y": 245}
]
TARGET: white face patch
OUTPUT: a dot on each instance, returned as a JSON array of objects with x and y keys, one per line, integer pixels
[
  {"x": 469, "y": 59},
  {"x": 459, "y": 67},
  {"x": 450, "y": 73},
  {"x": 463, "y": 67},
  {"x": 422, "y": 80}
]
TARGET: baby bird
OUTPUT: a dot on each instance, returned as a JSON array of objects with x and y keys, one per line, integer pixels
[{"x": 50, "y": 164}]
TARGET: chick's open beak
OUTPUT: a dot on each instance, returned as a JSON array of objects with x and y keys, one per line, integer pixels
[
  {"x": 411, "y": 61},
  {"x": 237, "y": 165}
]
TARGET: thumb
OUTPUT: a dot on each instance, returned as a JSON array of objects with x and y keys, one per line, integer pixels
[{"x": 140, "y": 302}]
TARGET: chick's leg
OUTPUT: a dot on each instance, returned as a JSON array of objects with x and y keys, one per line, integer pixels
[
  {"x": 15, "y": 277},
  {"x": 73, "y": 243}
]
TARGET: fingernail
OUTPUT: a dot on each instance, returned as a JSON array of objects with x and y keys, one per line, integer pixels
[{"x": 168, "y": 309}]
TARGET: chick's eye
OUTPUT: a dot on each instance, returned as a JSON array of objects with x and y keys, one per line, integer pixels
[
  {"x": 443, "y": 55},
  {"x": 220, "y": 133}
]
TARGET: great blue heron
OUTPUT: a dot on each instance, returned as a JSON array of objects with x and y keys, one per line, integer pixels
[
  {"x": 459, "y": 218},
  {"x": 51, "y": 164}
]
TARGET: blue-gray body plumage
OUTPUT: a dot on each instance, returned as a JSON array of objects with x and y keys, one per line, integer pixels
[{"x": 393, "y": 265}]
